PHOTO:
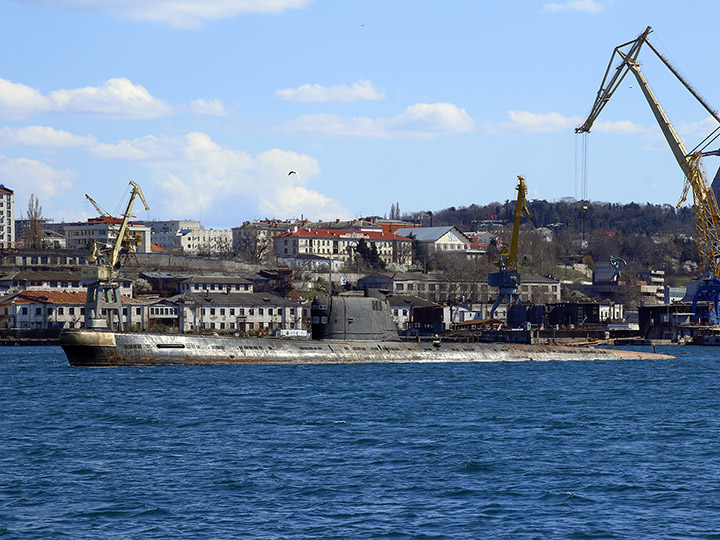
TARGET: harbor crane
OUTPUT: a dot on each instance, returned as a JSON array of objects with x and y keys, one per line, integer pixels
[
  {"x": 507, "y": 278},
  {"x": 103, "y": 294},
  {"x": 707, "y": 215}
]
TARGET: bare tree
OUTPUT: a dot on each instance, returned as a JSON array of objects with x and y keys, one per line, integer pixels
[
  {"x": 252, "y": 246},
  {"x": 34, "y": 229}
]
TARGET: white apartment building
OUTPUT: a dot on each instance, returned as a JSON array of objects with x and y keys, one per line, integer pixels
[
  {"x": 237, "y": 313},
  {"x": 167, "y": 234},
  {"x": 53, "y": 309},
  {"x": 217, "y": 284},
  {"x": 207, "y": 241},
  {"x": 7, "y": 217}
]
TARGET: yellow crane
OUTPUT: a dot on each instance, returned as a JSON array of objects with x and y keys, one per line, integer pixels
[
  {"x": 103, "y": 293},
  {"x": 707, "y": 215},
  {"x": 507, "y": 278}
]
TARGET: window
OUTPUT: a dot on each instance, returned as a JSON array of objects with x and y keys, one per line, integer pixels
[
  {"x": 138, "y": 311},
  {"x": 222, "y": 311},
  {"x": 71, "y": 311},
  {"x": 212, "y": 311},
  {"x": 38, "y": 311},
  {"x": 232, "y": 311},
  {"x": 260, "y": 311}
]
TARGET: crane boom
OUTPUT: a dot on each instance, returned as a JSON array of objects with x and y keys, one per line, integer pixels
[
  {"x": 507, "y": 279},
  {"x": 707, "y": 215},
  {"x": 115, "y": 251},
  {"x": 521, "y": 211},
  {"x": 103, "y": 296}
]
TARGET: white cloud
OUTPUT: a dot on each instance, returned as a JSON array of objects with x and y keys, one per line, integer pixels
[
  {"x": 18, "y": 100},
  {"x": 699, "y": 129},
  {"x": 194, "y": 172},
  {"x": 418, "y": 121},
  {"x": 29, "y": 176},
  {"x": 359, "y": 91},
  {"x": 45, "y": 137},
  {"x": 117, "y": 98},
  {"x": 213, "y": 107},
  {"x": 178, "y": 13},
  {"x": 587, "y": 6},
  {"x": 620, "y": 127},
  {"x": 529, "y": 122}
]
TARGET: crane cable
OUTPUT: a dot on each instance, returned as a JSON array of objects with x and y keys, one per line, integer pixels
[{"x": 581, "y": 175}]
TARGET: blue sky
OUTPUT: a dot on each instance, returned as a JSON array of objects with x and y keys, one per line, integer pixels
[{"x": 208, "y": 104}]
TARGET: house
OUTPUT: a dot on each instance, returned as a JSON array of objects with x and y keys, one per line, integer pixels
[{"x": 439, "y": 239}]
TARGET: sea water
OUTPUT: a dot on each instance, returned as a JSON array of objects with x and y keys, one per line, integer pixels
[{"x": 606, "y": 449}]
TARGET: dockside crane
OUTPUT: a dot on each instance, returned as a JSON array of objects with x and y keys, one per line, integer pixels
[
  {"x": 507, "y": 278},
  {"x": 707, "y": 215},
  {"x": 102, "y": 288}
]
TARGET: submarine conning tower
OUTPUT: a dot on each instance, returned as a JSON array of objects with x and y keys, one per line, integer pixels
[{"x": 353, "y": 317}]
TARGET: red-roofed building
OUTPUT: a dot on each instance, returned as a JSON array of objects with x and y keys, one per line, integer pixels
[{"x": 341, "y": 244}]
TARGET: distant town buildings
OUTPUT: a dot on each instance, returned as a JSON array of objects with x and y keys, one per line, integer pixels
[
  {"x": 167, "y": 234},
  {"x": 342, "y": 244},
  {"x": 103, "y": 230},
  {"x": 254, "y": 239}
]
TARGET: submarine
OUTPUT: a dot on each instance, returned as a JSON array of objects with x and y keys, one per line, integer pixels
[{"x": 344, "y": 330}]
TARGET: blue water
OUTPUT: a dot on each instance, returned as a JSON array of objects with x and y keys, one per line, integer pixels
[{"x": 461, "y": 451}]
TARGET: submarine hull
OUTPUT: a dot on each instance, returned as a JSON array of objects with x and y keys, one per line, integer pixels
[{"x": 93, "y": 348}]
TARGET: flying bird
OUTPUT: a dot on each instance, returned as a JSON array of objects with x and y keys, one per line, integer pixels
[{"x": 291, "y": 172}]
